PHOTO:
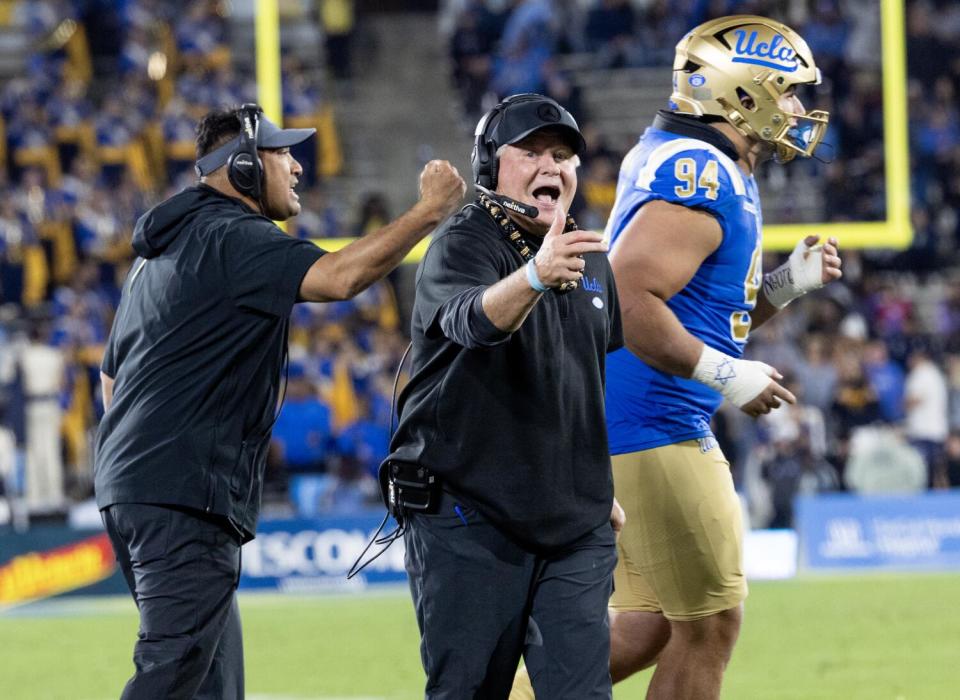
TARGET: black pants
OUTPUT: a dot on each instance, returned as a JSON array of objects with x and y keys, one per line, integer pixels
[
  {"x": 481, "y": 600},
  {"x": 182, "y": 569}
]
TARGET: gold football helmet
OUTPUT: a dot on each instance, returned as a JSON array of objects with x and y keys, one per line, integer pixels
[{"x": 724, "y": 61}]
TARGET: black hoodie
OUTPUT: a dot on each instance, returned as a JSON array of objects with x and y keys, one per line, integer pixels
[{"x": 196, "y": 352}]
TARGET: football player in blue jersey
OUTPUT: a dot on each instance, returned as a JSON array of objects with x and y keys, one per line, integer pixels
[{"x": 686, "y": 250}]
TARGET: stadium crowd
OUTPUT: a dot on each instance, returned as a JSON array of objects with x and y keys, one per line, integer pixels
[
  {"x": 93, "y": 134},
  {"x": 95, "y": 131}
]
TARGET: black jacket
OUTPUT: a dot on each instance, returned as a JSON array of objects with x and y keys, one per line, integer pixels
[
  {"x": 513, "y": 423},
  {"x": 196, "y": 352}
]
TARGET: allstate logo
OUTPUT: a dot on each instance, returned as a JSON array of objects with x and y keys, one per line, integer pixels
[
  {"x": 696, "y": 80},
  {"x": 776, "y": 54}
]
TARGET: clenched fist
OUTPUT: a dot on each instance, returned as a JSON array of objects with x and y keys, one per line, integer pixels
[{"x": 441, "y": 188}]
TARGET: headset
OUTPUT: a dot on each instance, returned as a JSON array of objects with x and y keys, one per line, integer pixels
[
  {"x": 244, "y": 168},
  {"x": 484, "y": 158}
]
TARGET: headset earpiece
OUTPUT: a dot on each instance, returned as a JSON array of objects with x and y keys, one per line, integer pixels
[
  {"x": 244, "y": 168},
  {"x": 484, "y": 156}
]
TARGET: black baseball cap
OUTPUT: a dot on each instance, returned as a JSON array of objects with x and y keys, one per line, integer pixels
[
  {"x": 522, "y": 115},
  {"x": 269, "y": 136}
]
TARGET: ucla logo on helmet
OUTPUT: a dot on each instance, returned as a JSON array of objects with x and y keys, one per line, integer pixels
[
  {"x": 775, "y": 54},
  {"x": 696, "y": 80}
]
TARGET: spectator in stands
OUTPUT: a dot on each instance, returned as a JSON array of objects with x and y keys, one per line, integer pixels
[
  {"x": 143, "y": 14},
  {"x": 119, "y": 150},
  {"x": 98, "y": 227},
  {"x": 818, "y": 372},
  {"x": 886, "y": 377},
  {"x": 525, "y": 47},
  {"x": 364, "y": 441},
  {"x": 662, "y": 22},
  {"x": 319, "y": 219},
  {"x": 78, "y": 183},
  {"x": 31, "y": 140},
  {"x": 303, "y": 106},
  {"x": 303, "y": 431},
  {"x": 882, "y": 462},
  {"x": 136, "y": 52},
  {"x": 471, "y": 46},
  {"x": 349, "y": 489},
  {"x": 191, "y": 86},
  {"x": 43, "y": 368},
  {"x": 23, "y": 267},
  {"x": 925, "y": 401},
  {"x": 927, "y": 55},
  {"x": 795, "y": 469},
  {"x": 71, "y": 115},
  {"x": 826, "y": 33},
  {"x": 854, "y": 402},
  {"x": 374, "y": 211},
  {"x": 177, "y": 128},
  {"x": 40, "y": 17},
  {"x": 609, "y": 32},
  {"x": 337, "y": 18},
  {"x": 201, "y": 35}
]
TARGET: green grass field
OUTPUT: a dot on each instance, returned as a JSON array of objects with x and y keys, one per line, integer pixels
[{"x": 881, "y": 637}]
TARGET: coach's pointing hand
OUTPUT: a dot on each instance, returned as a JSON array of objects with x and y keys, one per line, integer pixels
[
  {"x": 441, "y": 188},
  {"x": 559, "y": 258}
]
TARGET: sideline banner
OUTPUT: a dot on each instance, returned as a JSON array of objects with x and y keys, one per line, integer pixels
[
  {"x": 313, "y": 555},
  {"x": 50, "y": 561},
  {"x": 916, "y": 532}
]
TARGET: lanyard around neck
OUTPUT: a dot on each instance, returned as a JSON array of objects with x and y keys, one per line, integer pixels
[{"x": 515, "y": 237}]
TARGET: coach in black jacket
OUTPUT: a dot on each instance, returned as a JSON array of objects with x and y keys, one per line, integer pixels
[
  {"x": 511, "y": 325},
  {"x": 191, "y": 378}
]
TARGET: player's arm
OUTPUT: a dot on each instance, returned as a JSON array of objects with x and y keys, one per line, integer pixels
[
  {"x": 508, "y": 302},
  {"x": 809, "y": 267},
  {"x": 345, "y": 273},
  {"x": 106, "y": 382},
  {"x": 657, "y": 256}
]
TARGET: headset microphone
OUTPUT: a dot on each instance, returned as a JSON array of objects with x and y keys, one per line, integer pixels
[{"x": 510, "y": 204}]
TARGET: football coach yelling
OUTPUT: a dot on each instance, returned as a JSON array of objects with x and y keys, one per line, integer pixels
[
  {"x": 191, "y": 377},
  {"x": 499, "y": 467}
]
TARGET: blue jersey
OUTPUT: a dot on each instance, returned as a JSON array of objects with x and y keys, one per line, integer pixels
[{"x": 645, "y": 407}]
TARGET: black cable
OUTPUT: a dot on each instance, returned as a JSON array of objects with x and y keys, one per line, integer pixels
[
  {"x": 354, "y": 568},
  {"x": 388, "y": 539},
  {"x": 396, "y": 383}
]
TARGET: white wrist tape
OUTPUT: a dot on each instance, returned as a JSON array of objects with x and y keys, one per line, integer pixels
[
  {"x": 802, "y": 273},
  {"x": 740, "y": 381}
]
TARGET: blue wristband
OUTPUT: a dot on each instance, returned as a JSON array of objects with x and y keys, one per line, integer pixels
[{"x": 532, "y": 278}]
